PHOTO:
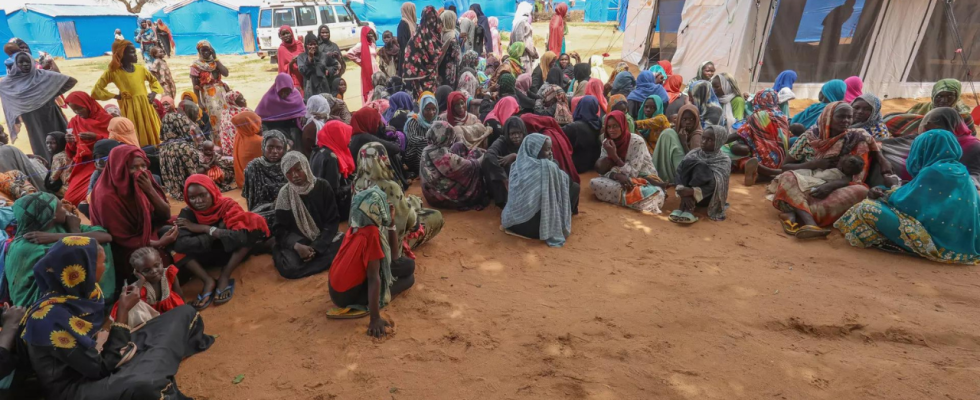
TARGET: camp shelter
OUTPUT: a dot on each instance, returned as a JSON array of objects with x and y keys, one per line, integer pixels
[
  {"x": 5, "y": 35},
  {"x": 229, "y": 28},
  {"x": 69, "y": 31},
  {"x": 900, "y": 48}
]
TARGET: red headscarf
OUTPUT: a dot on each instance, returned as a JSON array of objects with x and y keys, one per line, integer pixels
[
  {"x": 366, "y": 71},
  {"x": 97, "y": 123},
  {"x": 286, "y": 54},
  {"x": 223, "y": 209},
  {"x": 365, "y": 120},
  {"x": 595, "y": 88},
  {"x": 451, "y": 117},
  {"x": 556, "y": 29},
  {"x": 122, "y": 207},
  {"x": 673, "y": 86},
  {"x": 623, "y": 141},
  {"x": 668, "y": 68},
  {"x": 335, "y": 135},
  {"x": 559, "y": 142}
]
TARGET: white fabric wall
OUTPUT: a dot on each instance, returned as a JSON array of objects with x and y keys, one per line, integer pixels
[
  {"x": 639, "y": 19},
  {"x": 894, "y": 46},
  {"x": 716, "y": 31}
]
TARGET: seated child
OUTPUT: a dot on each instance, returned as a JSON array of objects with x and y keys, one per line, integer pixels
[
  {"x": 796, "y": 130},
  {"x": 221, "y": 170},
  {"x": 159, "y": 288}
]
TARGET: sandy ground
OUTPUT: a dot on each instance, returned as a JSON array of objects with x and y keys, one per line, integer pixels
[{"x": 633, "y": 307}]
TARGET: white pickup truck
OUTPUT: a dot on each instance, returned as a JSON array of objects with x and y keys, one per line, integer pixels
[{"x": 307, "y": 16}]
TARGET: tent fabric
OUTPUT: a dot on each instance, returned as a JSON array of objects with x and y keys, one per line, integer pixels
[
  {"x": 639, "y": 16},
  {"x": 717, "y": 35},
  {"x": 5, "y": 35},
  {"x": 95, "y": 32},
  {"x": 199, "y": 20}
]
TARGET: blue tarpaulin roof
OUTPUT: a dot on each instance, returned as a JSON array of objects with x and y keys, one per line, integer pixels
[
  {"x": 195, "y": 20},
  {"x": 811, "y": 25},
  {"x": 74, "y": 10}
]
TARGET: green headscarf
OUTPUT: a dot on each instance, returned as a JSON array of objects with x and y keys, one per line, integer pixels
[
  {"x": 948, "y": 85},
  {"x": 507, "y": 83},
  {"x": 944, "y": 85},
  {"x": 516, "y": 50},
  {"x": 370, "y": 208},
  {"x": 35, "y": 213}
]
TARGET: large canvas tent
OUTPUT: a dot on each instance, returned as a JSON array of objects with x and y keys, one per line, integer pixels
[
  {"x": 898, "y": 47},
  {"x": 229, "y": 28},
  {"x": 69, "y": 31}
]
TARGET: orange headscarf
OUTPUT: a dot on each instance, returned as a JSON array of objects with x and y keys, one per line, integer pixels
[
  {"x": 595, "y": 88},
  {"x": 248, "y": 142},
  {"x": 122, "y": 130},
  {"x": 118, "y": 49}
]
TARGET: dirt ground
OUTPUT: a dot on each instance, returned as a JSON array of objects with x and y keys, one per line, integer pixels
[{"x": 633, "y": 307}]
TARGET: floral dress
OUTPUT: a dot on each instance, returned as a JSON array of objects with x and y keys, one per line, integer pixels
[
  {"x": 179, "y": 157},
  {"x": 226, "y": 134},
  {"x": 161, "y": 71},
  {"x": 639, "y": 165},
  {"x": 212, "y": 90}
]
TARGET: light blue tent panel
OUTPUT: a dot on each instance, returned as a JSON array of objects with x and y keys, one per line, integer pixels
[
  {"x": 5, "y": 35},
  {"x": 205, "y": 20},
  {"x": 811, "y": 24},
  {"x": 253, "y": 12},
  {"x": 95, "y": 26}
]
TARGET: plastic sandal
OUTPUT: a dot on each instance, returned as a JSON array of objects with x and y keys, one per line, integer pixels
[
  {"x": 812, "y": 232},
  {"x": 345, "y": 313},
  {"x": 751, "y": 171},
  {"x": 791, "y": 228},
  {"x": 206, "y": 304},
  {"x": 230, "y": 290},
  {"x": 682, "y": 217}
]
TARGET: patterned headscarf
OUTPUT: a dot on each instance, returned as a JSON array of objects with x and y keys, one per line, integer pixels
[
  {"x": 70, "y": 310},
  {"x": 290, "y": 196},
  {"x": 875, "y": 125},
  {"x": 370, "y": 208},
  {"x": 767, "y": 99}
]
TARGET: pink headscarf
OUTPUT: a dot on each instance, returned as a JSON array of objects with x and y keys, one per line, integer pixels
[
  {"x": 855, "y": 88},
  {"x": 505, "y": 108}
]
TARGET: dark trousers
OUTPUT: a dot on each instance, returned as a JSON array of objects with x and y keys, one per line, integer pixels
[{"x": 403, "y": 269}]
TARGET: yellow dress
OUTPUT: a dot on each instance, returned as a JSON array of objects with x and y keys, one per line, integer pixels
[{"x": 133, "y": 102}]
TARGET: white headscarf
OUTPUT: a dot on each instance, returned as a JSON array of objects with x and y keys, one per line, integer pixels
[
  {"x": 290, "y": 196},
  {"x": 317, "y": 105}
]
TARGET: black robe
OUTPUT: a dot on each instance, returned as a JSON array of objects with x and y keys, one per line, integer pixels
[
  {"x": 322, "y": 206},
  {"x": 324, "y": 164},
  {"x": 586, "y": 146}
]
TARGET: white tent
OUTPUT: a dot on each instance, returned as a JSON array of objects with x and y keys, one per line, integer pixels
[{"x": 898, "y": 47}]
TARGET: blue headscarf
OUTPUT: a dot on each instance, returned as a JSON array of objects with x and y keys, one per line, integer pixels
[
  {"x": 623, "y": 84},
  {"x": 786, "y": 79},
  {"x": 418, "y": 117},
  {"x": 832, "y": 91},
  {"x": 587, "y": 111},
  {"x": 539, "y": 186},
  {"x": 70, "y": 311},
  {"x": 646, "y": 85},
  {"x": 941, "y": 196},
  {"x": 400, "y": 101},
  {"x": 658, "y": 69}
]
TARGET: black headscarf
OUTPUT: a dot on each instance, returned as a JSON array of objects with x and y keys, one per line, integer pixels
[
  {"x": 60, "y": 137},
  {"x": 556, "y": 77},
  {"x": 326, "y": 46},
  {"x": 103, "y": 147},
  {"x": 582, "y": 72},
  {"x": 442, "y": 97},
  {"x": 484, "y": 23}
]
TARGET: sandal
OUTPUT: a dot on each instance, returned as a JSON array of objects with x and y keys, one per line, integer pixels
[
  {"x": 345, "y": 313},
  {"x": 751, "y": 171},
  {"x": 682, "y": 217},
  {"x": 218, "y": 293},
  {"x": 791, "y": 228},
  {"x": 201, "y": 306},
  {"x": 812, "y": 232}
]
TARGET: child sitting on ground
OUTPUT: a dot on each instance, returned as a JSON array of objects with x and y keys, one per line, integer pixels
[
  {"x": 159, "y": 288},
  {"x": 220, "y": 169}
]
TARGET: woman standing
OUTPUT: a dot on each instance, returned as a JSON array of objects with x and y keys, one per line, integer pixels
[
  {"x": 450, "y": 53},
  {"x": 29, "y": 94},
  {"x": 289, "y": 48},
  {"x": 542, "y": 198},
  {"x": 364, "y": 54},
  {"x": 557, "y": 29},
  {"x": 313, "y": 66},
  {"x": 161, "y": 70},
  {"x": 450, "y": 172},
  {"x": 166, "y": 38},
  {"x": 406, "y": 31},
  {"x": 334, "y": 59},
  {"x": 628, "y": 177},
  {"x": 207, "y": 75},
  {"x": 134, "y": 100},
  {"x": 495, "y": 35},
  {"x": 282, "y": 109},
  {"x": 389, "y": 57},
  {"x": 424, "y": 53},
  {"x": 483, "y": 22},
  {"x": 89, "y": 125}
]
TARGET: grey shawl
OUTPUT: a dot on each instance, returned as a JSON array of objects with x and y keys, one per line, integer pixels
[{"x": 538, "y": 185}]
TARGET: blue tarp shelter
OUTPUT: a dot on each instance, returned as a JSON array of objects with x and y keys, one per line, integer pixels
[
  {"x": 229, "y": 28},
  {"x": 70, "y": 31},
  {"x": 5, "y": 35},
  {"x": 603, "y": 10}
]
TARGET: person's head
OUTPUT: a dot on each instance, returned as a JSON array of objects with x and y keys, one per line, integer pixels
[
  {"x": 55, "y": 142},
  {"x": 324, "y": 33},
  {"x": 387, "y": 37},
  {"x": 614, "y": 130},
  {"x": 842, "y": 119},
  {"x": 273, "y": 146},
  {"x": 713, "y": 138},
  {"x": 296, "y": 175},
  {"x": 946, "y": 92},
  {"x": 862, "y": 110},
  {"x": 156, "y": 52},
  {"x": 708, "y": 70},
  {"x": 24, "y": 62},
  {"x": 118, "y": 31},
  {"x": 22, "y": 45},
  {"x": 286, "y": 34},
  {"x": 341, "y": 86},
  {"x": 945, "y": 118},
  {"x": 944, "y": 99},
  {"x": 716, "y": 85},
  {"x": 564, "y": 60},
  {"x": 546, "y": 153},
  {"x": 621, "y": 106},
  {"x": 205, "y": 51},
  {"x": 371, "y": 36},
  {"x": 688, "y": 120},
  {"x": 851, "y": 165},
  {"x": 137, "y": 165},
  {"x": 797, "y": 129},
  {"x": 207, "y": 147},
  {"x": 650, "y": 107},
  {"x": 146, "y": 261},
  {"x": 191, "y": 110},
  {"x": 198, "y": 197},
  {"x": 129, "y": 55},
  {"x": 516, "y": 131},
  {"x": 431, "y": 110},
  {"x": 310, "y": 43},
  {"x": 240, "y": 101},
  {"x": 100, "y": 152},
  {"x": 11, "y": 48},
  {"x": 459, "y": 105}
]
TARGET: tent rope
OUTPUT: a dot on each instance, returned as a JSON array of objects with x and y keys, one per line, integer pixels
[{"x": 959, "y": 42}]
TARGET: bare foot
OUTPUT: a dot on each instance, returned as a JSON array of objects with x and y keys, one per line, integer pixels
[{"x": 751, "y": 171}]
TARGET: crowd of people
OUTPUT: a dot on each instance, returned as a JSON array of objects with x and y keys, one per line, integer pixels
[{"x": 474, "y": 122}]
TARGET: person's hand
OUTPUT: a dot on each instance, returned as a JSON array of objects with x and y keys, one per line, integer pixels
[
  {"x": 892, "y": 180},
  {"x": 822, "y": 191},
  {"x": 877, "y": 193},
  {"x": 145, "y": 182},
  {"x": 508, "y": 160},
  {"x": 128, "y": 299},
  {"x": 306, "y": 253},
  {"x": 73, "y": 223},
  {"x": 610, "y": 148},
  {"x": 311, "y": 52},
  {"x": 40, "y": 237},
  {"x": 391, "y": 129},
  {"x": 167, "y": 239},
  {"x": 150, "y": 96},
  {"x": 70, "y": 137},
  {"x": 624, "y": 181},
  {"x": 292, "y": 63},
  {"x": 117, "y": 97},
  {"x": 11, "y": 317},
  {"x": 376, "y": 328},
  {"x": 391, "y": 212},
  {"x": 184, "y": 223},
  {"x": 87, "y": 136}
]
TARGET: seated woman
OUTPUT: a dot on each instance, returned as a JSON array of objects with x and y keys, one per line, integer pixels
[
  {"x": 416, "y": 225},
  {"x": 264, "y": 178},
  {"x": 759, "y": 147},
  {"x": 416, "y": 127},
  {"x": 560, "y": 145},
  {"x": 945, "y": 93},
  {"x": 338, "y": 109},
  {"x": 60, "y": 333},
  {"x": 42, "y": 220},
  {"x": 896, "y": 150},
  {"x": 450, "y": 172},
  {"x": 89, "y": 125},
  {"x": 674, "y": 144},
  {"x": 179, "y": 156},
  {"x": 12, "y": 159},
  {"x": 646, "y": 86},
  {"x": 306, "y": 221},
  {"x": 56, "y": 181},
  {"x": 282, "y": 109},
  {"x": 832, "y": 91},
  {"x": 704, "y": 99},
  {"x": 817, "y": 149},
  {"x": 867, "y": 116},
  {"x": 499, "y": 159},
  {"x": 368, "y": 127},
  {"x": 553, "y": 102},
  {"x": 934, "y": 216},
  {"x": 618, "y": 102},
  {"x": 466, "y": 126},
  {"x": 730, "y": 97},
  {"x": 652, "y": 121},
  {"x": 248, "y": 142},
  {"x": 702, "y": 178},
  {"x": 197, "y": 115},
  {"x": 543, "y": 197},
  {"x": 369, "y": 270},
  {"x": 332, "y": 162},
  {"x": 215, "y": 230},
  {"x": 628, "y": 177},
  {"x": 583, "y": 134},
  {"x": 131, "y": 206},
  {"x": 317, "y": 114}
]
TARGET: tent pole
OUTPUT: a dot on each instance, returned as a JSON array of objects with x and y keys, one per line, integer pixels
[
  {"x": 770, "y": 21},
  {"x": 959, "y": 42}
]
